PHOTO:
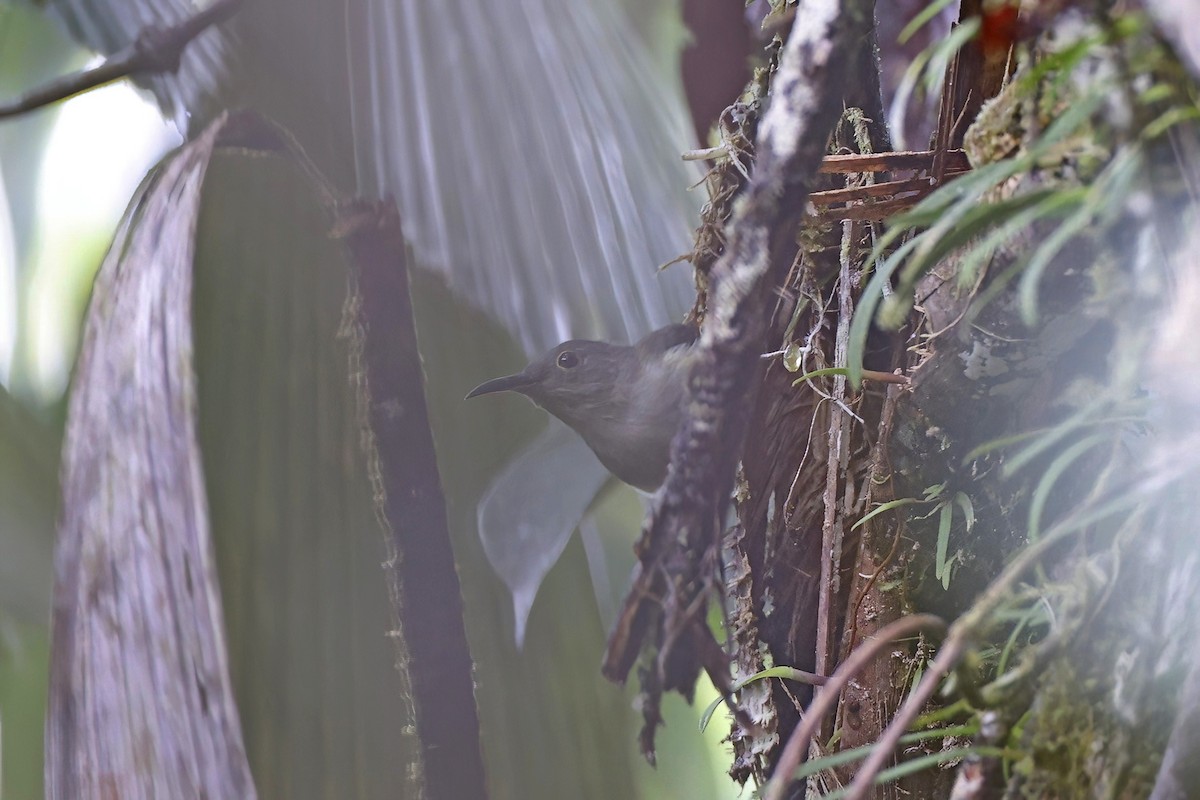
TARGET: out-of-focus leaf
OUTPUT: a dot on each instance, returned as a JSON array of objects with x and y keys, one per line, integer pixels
[
  {"x": 1045, "y": 485},
  {"x": 32, "y": 50},
  {"x": 523, "y": 540},
  {"x": 24, "y": 656},
  {"x": 28, "y": 483},
  {"x": 534, "y": 152},
  {"x": 532, "y": 146},
  {"x": 138, "y": 654},
  {"x": 945, "y": 517},
  {"x": 324, "y": 709},
  {"x": 1178, "y": 25},
  {"x": 922, "y": 19},
  {"x": 553, "y": 727}
]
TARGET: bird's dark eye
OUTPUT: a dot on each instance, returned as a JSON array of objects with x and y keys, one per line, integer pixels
[{"x": 568, "y": 360}]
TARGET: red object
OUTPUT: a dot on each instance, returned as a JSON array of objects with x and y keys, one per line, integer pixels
[{"x": 999, "y": 30}]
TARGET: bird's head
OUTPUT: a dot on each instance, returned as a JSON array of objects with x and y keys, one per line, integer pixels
[{"x": 576, "y": 381}]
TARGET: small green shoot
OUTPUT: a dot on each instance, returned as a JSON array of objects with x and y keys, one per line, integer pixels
[
  {"x": 888, "y": 506},
  {"x": 943, "y": 564},
  {"x": 786, "y": 673}
]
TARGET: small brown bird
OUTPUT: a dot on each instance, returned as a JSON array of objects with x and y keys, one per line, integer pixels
[{"x": 626, "y": 401}]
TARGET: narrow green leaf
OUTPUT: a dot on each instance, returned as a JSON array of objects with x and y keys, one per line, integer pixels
[
  {"x": 1075, "y": 115},
  {"x": 860, "y": 325},
  {"x": 709, "y": 710},
  {"x": 888, "y": 506},
  {"x": 967, "y": 507},
  {"x": 1051, "y": 437},
  {"x": 786, "y": 673},
  {"x": 1007, "y": 441},
  {"x": 930, "y": 64},
  {"x": 945, "y": 517},
  {"x": 934, "y": 491},
  {"x": 970, "y": 218},
  {"x": 1106, "y": 195},
  {"x": 945, "y": 207},
  {"x": 1156, "y": 93},
  {"x": 1063, "y": 61},
  {"x": 834, "y": 760},
  {"x": 1035, "y": 614},
  {"x": 945, "y": 50},
  {"x": 820, "y": 373},
  {"x": 915, "y": 680},
  {"x": 958, "y": 708},
  {"x": 999, "y": 444},
  {"x": 1056, "y": 202},
  {"x": 922, "y": 19},
  {"x": 1050, "y": 477},
  {"x": 922, "y": 763},
  {"x": 1169, "y": 119}
]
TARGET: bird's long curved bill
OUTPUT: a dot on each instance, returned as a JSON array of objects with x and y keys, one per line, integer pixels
[{"x": 509, "y": 383}]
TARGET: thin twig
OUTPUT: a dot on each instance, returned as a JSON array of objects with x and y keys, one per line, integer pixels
[
  {"x": 885, "y": 189},
  {"x": 892, "y": 162},
  {"x": 155, "y": 49},
  {"x": 828, "y": 695},
  {"x": 838, "y": 447},
  {"x": 875, "y": 211}
]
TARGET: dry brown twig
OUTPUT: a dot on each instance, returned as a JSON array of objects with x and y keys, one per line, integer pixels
[{"x": 155, "y": 50}]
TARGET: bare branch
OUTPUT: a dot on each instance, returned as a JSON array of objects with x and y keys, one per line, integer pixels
[
  {"x": 154, "y": 50},
  {"x": 684, "y": 523}
]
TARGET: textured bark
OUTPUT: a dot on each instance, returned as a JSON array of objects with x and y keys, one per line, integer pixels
[
  {"x": 679, "y": 548},
  {"x": 140, "y": 699},
  {"x": 868, "y": 701},
  {"x": 877, "y": 593}
]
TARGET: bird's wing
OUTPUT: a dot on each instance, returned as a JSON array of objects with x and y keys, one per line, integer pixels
[{"x": 664, "y": 339}]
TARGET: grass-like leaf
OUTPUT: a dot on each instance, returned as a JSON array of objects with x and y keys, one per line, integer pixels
[
  {"x": 945, "y": 518},
  {"x": 834, "y": 760},
  {"x": 1002, "y": 442},
  {"x": 820, "y": 373},
  {"x": 1102, "y": 200},
  {"x": 922, "y": 19},
  {"x": 913, "y": 766},
  {"x": 1034, "y": 615},
  {"x": 888, "y": 506},
  {"x": 1052, "y": 436},
  {"x": 968, "y": 508},
  {"x": 928, "y": 67},
  {"x": 786, "y": 673},
  {"x": 1050, "y": 477},
  {"x": 954, "y": 214}
]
